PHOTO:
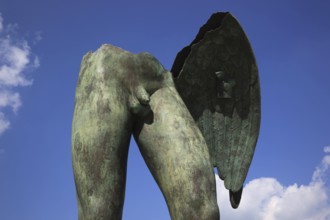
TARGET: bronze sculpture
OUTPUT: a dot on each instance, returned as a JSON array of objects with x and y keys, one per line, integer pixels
[{"x": 204, "y": 113}]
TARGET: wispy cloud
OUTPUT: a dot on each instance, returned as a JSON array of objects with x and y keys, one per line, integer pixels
[
  {"x": 4, "y": 123},
  {"x": 268, "y": 199},
  {"x": 37, "y": 37},
  {"x": 1, "y": 23},
  {"x": 16, "y": 59}
]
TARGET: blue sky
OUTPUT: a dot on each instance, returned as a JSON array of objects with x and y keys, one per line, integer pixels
[{"x": 46, "y": 40}]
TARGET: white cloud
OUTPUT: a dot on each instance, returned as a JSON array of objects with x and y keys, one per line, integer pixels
[
  {"x": 268, "y": 199},
  {"x": 327, "y": 149},
  {"x": 15, "y": 59},
  {"x": 4, "y": 123},
  {"x": 10, "y": 99}
]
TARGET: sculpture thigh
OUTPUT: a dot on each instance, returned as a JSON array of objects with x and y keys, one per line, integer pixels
[
  {"x": 101, "y": 134},
  {"x": 177, "y": 155}
]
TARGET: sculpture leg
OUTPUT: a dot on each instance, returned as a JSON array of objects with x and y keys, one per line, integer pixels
[
  {"x": 100, "y": 139},
  {"x": 177, "y": 155}
]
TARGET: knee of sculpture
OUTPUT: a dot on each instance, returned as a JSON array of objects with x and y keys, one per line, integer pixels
[{"x": 179, "y": 118}]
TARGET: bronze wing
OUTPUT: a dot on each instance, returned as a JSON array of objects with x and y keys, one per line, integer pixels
[{"x": 217, "y": 78}]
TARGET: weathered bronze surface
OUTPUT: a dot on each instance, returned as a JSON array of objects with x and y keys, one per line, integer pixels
[
  {"x": 213, "y": 122},
  {"x": 217, "y": 78},
  {"x": 120, "y": 93}
]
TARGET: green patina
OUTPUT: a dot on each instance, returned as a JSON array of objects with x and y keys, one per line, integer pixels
[{"x": 207, "y": 114}]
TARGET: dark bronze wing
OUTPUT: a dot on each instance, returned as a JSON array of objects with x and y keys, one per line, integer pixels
[{"x": 217, "y": 78}]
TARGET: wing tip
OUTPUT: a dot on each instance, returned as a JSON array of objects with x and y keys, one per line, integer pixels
[{"x": 235, "y": 197}]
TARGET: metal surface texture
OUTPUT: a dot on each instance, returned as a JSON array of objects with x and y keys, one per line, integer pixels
[{"x": 217, "y": 78}]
